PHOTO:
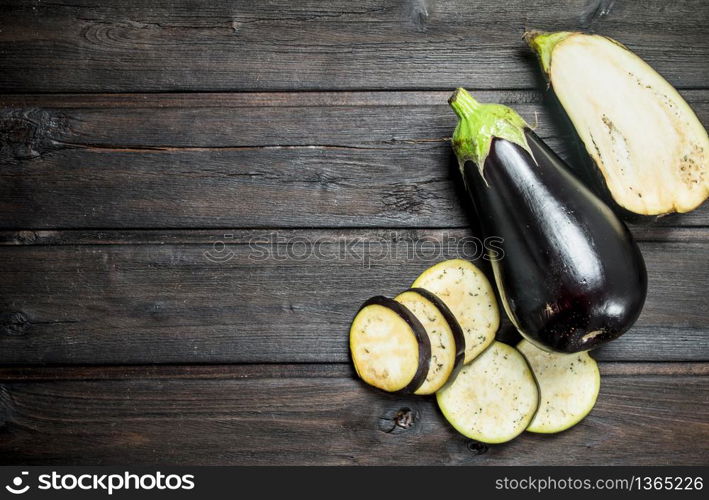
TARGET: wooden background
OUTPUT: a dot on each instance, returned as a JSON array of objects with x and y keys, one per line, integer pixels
[{"x": 136, "y": 135}]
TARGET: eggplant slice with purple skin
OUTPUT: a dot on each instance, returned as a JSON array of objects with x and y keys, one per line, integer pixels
[
  {"x": 456, "y": 329},
  {"x": 467, "y": 293},
  {"x": 444, "y": 334},
  {"x": 571, "y": 277},
  {"x": 390, "y": 347},
  {"x": 649, "y": 148}
]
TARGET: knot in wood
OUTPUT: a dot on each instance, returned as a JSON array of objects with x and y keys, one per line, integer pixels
[
  {"x": 29, "y": 133},
  {"x": 477, "y": 448},
  {"x": 26, "y": 237},
  {"x": 14, "y": 323},
  {"x": 405, "y": 418},
  {"x": 396, "y": 421}
]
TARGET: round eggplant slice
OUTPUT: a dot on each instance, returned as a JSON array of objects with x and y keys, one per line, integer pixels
[
  {"x": 441, "y": 338},
  {"x": 568, "y": 385},
  {"x": 457, "y": 331},
  {"x": 468, "y": 294},
  {"x": 389, "y": 346},
  {"x": 494, "y": 398}
]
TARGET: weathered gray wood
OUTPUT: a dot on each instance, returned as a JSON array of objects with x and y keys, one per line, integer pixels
[
  {"x": 117, "y": 345},
  {"x": 89, "y": 46},
  {"x": 220, "y": 120},
  {"x": 280, "y": 302},
  {"x": 353, "y": 159},
  {"x": 235, "y": 236},
  {"x": 640, "y": 420},
  {"x": 293, "y": 370},
  {"x": 250, "y": 371}
]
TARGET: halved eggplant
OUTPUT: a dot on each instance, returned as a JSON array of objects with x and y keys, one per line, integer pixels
[
  {"x": 648, "y": 145},
  {"x": 571, "y": 277},
  {"x": 493, "y": 398},
  {"x": 444, "y": 342},
  {"x": 469, "y": 296},
  {"x": 389, "y": 346},
  {"x": 568, "y": 386}
]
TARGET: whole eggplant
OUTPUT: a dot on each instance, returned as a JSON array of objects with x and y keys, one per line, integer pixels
[{"x": 571, "y": 277}]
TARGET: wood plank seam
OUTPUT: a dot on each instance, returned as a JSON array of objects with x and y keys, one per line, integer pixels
[{"x": 278, "y": 370}]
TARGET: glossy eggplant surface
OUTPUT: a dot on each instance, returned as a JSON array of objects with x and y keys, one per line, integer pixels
[{"x": 571, "y": 277}]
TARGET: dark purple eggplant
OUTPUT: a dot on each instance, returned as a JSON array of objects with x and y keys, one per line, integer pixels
[{"x": 571, "y": 277}]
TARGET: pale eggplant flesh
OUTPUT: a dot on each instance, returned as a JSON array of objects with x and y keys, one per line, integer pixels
[
  {"x": 649, "y": 149},
  {"x": 494, "y": 397},
  {"x": 456, "y": 329},
  {"x": 568, "y": 387},
  {"x": 571, "y": 277},
  {"x": 441, "y": 337},
  {"x": 467, "y": 292},
  {"x": 389, "y": 346}
]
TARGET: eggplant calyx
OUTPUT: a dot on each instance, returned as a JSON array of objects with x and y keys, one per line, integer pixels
[
  {"x": 479, "y": 124},
  {"x": 543, "y": 43}
]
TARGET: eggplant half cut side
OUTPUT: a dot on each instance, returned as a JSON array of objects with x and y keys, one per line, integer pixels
[
  {"x": 568, "y": 387},
  {"x": 467, "y": 293},
  {"x": 494, "y": 398},
  {"x": 389, "y": 346},
  {"x": 444, "y": 334},
  {"x": 649, "y": 147}
]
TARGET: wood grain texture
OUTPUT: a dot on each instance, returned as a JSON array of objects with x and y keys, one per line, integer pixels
[
  {"x": 280, "y": 370},
  {"x": 235, "y": 236},
  {"x": 370, "y": 159},
  {"x": 276, "y": 297},
  {"x": 146, "y": 45},
  {"x": 224, "y": 120},
  {"x": 196, "y": 196},
  {"x": 639, "y": 420}
]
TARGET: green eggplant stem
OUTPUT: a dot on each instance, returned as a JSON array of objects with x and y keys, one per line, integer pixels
[
  {"x": 543, "y": 43},
  {"x": 479, "y": 123},
  {"x": 463, "y": 103}
]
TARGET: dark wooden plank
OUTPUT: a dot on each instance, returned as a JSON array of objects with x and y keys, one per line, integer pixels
[
  {"x": 252, "y": 187},
  {"x": 269, "y": 421},
  {"x": 143, "y": 161},
  {"x": 273, "y": 297},
  {"x": 168, "y": 121},
  {"x": 243, "y": 371},
  {"x": 281, "y": 370},
  {"x": 221, "y": 45},
  {"x": 219, "y": 120},
  {"x": 236, "y": 236}
]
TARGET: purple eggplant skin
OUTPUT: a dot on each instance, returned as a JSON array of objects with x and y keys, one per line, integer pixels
[
  {"x": 424, "y": 341},
  {"x": 572, "y": 277}
]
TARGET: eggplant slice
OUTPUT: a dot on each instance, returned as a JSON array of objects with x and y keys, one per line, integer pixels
[
  {"x": 649, "y": 146},
  {"x": 455, "y": 327},
  {"x": 389, "y": 346},
  {"x": 440, "y": 335},
  {"x": 470, "y": 297},
  {"x": 568, "y": 385},
  {"x": 494, "y": 398}
]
